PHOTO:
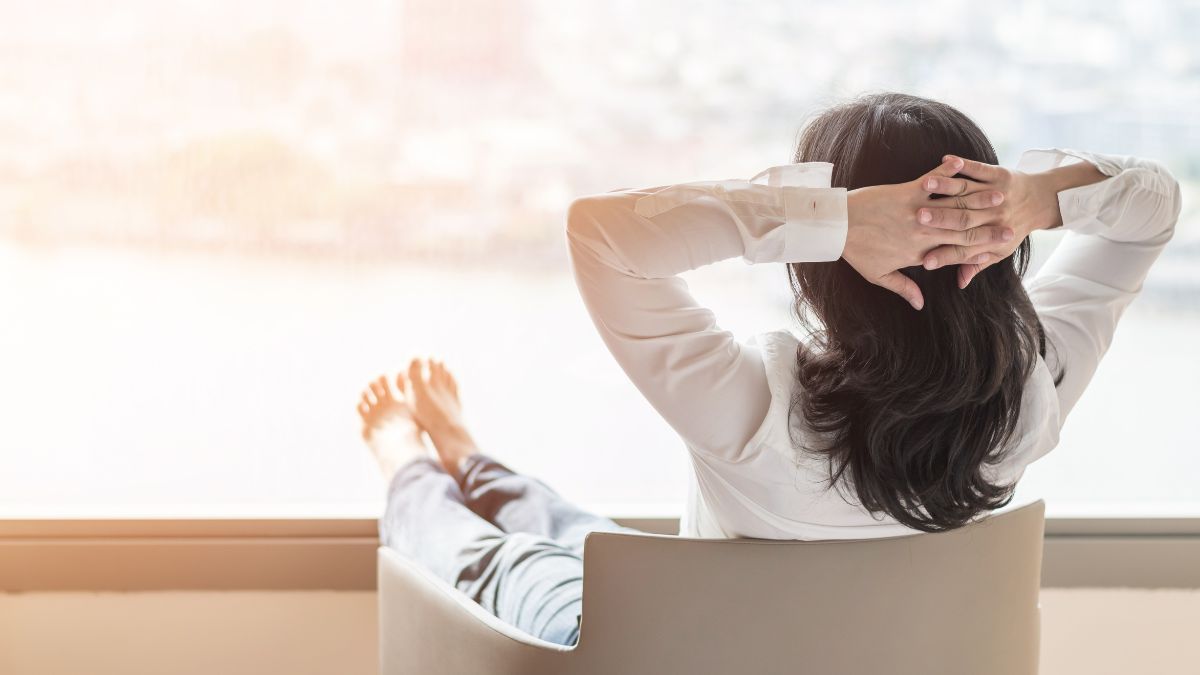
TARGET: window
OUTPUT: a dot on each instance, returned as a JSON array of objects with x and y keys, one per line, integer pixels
[{"x": 219, "y": 219}]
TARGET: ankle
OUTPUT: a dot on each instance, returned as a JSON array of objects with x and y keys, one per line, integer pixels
[{"x": 452, "y": 439}]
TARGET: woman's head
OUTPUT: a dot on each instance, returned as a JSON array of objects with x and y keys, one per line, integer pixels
[{"x": 911, "y": 405}]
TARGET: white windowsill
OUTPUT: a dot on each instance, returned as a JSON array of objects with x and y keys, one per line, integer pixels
[
  {"x": 1118, "y": 511},
  {"x": 264, "y": 548}
]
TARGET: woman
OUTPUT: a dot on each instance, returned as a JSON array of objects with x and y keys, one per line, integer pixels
[{"x": 930, "y": 380}]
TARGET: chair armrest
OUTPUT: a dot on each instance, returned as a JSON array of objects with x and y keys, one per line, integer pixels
[
  {"x": 427, "y": 626},
  {"x": 411, "y": 572}
]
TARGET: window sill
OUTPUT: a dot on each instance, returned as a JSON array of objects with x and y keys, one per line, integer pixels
[{"x": 338, "y": 553}]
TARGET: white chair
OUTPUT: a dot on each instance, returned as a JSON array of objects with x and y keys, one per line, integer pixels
[{"x": 961, "y": 602}]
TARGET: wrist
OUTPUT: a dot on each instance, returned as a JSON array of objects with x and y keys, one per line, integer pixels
[
  {"x": 856, "y": 204},
  {"x": 1062, "y": 178},
  {"x": 1045, "y": 186}
]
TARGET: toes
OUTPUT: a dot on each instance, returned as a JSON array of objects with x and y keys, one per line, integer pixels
[
  {"x": 380, "y": 389},
  {"x": 369, "y": 398},
  {"x": 415, "y": 378},
  {"x": 387, "y": 389},
  {"x": 366, "y": 413},
  {"x": 401, "y": 385},
  {"x": 446, "y": 378}
]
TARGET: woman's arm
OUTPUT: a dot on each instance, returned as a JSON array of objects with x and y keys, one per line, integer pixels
[
  {"x": 1119, "y": 213},
  {"x": 1116, "y": 229},
  {"x": 626, "y": 254},
  {"x": 628, "y": 247}
]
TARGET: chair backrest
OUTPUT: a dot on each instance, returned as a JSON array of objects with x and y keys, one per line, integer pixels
[{"x": 963, "y": 601}]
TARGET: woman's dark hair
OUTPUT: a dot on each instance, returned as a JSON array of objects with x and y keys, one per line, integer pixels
[{"x": 911, "y": 405}]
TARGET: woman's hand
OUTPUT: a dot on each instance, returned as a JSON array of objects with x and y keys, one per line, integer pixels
[
  {"x": 1031, "y": 203},
  {"x": 884, "y": 234}
]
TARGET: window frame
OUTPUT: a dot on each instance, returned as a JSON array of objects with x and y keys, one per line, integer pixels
[{"x": 338, "y": 553}]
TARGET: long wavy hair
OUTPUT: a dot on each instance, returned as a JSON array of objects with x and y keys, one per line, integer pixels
[{"x": 909, "y": 406}]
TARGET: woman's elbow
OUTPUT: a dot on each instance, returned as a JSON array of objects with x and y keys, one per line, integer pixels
[
  {"x": 582, "y": 216},
  {"x": 1172, "y": 195},
  {"x": 1174, "y": 203},
  {"x": 600, "y": 220},
  {"x": 590, "y": 233},
  {"x": 1164, "y": 200}
]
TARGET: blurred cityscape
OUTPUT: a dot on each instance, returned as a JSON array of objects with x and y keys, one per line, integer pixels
[
  {"x": 460, "y": 129},
  {"x": 219, "y": 218}
]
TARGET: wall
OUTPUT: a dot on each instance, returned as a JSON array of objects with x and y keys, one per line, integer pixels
[
  {"x": 189, "y": 633},
  {"x": 1096, "y": 632}
]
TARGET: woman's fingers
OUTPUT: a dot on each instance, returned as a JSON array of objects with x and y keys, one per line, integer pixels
[
  {"x": 986, "y": 234},
  {"x": 968, "y": 272},
  {"x": 946, "y": 185},
  {"x": 950, "y": 165},
  {"x": 980, "y": 195},
  {"x": 899, "y": 283},
  {"x": 978, "y": 209},
  {"x": 984, "y": 173},
  {"x": 957, "y": 254},
  {"x": 974, "y": 199}
]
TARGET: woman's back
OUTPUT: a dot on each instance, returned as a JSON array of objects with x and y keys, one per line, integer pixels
[{"x": 779, "y": 490}]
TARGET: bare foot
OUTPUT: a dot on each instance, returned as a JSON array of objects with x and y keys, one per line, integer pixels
[
  {"x": 434, "y": 395},
  {"x": 389, "y": 428}
]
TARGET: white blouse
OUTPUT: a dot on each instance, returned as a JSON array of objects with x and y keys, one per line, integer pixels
[{"x": 730, "y": 401}]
